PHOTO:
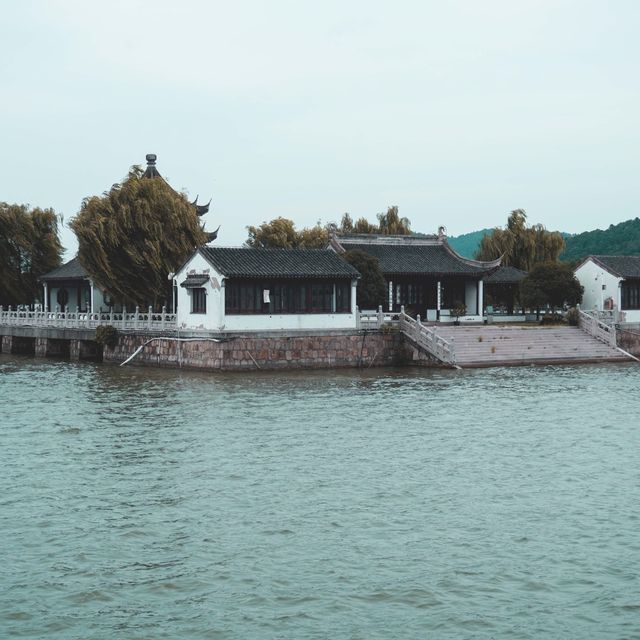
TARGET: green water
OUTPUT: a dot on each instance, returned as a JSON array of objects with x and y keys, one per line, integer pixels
[{"x": 141, "y": 503}]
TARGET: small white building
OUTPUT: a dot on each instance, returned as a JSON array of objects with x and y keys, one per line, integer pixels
[
  {"x": 69, "y": 287},
  {"x": 239, "y": 289},
  {"x": 611, "y": 283}
]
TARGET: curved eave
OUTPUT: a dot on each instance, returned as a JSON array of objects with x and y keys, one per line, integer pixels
[{"x": 478, "y": 264}]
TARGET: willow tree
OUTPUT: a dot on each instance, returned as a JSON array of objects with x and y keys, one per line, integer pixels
[
  {"x": 29, "y": 248},
  {"x": 281, "y": 233},
  {"x": 519, "y": 245},
  {"x": 389, "y": 223},
  {"x": 134, "y": 235}
]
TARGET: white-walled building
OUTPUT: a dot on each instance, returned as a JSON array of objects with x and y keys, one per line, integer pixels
[
  {"x": 239, "y": 289},
  {"x": 69, "y": 287},
  {"x": 611, "y": 283}
]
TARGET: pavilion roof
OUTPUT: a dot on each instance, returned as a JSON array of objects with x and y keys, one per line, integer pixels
[
  {"x": 411, "y": 255},
  {"x": 71, "y": 270}
]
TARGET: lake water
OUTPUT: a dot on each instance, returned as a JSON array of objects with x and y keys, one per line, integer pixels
[{"x": 395, "y": 503}]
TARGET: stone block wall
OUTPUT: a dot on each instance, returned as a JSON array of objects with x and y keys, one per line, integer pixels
[
  {"x": 253, "y": 351},
  {"x": 629, "y": 340}
]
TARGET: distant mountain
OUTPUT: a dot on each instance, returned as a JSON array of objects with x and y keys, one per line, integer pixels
[
  {"x": 468, "y": 243},
  {"x": 618, "y": 240}
]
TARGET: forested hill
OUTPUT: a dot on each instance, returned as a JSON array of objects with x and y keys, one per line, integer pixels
[
  {"x": 468, "y": 243},
  {"x": 617, "y": 240}
]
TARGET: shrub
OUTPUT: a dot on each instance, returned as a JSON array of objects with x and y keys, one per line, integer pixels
[
  {"x": 573, "y": 316},
  {"x": 107, "y": 335},
  {"x": 554, "y": 318}
]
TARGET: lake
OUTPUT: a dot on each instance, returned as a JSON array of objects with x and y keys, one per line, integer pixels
[{"x": 378, "y": 503}]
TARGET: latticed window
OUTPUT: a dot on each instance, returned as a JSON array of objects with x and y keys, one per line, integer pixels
[
  {"x": 198, "y": 301},
  {"x": 631, "y": 294},
  {"x": 287, "y": 297}
]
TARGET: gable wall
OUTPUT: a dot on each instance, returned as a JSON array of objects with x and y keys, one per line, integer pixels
[{"x": 592, "y": 277}]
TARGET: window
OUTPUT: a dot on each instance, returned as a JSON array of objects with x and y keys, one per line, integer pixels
[
  {"x": 287, "y": 297},
  {"x": 631, "y": 294},
  {"x": 198, "y": 301}
]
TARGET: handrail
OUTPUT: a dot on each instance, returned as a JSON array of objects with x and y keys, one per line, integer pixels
[
  {"x": 592, "y": 325},
  {"x": 123, "y": 320},
  {"x": 425, "y": 337},
  {"x": 428, "y": 339}
]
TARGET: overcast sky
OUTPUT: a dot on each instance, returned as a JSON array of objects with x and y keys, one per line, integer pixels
[{"x": 456, "y": 111}]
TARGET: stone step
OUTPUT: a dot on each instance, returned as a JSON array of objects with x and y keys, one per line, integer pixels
[{"x": 489, "y": 345}]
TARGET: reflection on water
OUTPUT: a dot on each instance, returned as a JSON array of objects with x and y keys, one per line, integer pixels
[{"x": 396, "y": 503}]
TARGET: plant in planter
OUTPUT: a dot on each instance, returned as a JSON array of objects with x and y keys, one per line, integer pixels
[{"x": 459, "y": 309}]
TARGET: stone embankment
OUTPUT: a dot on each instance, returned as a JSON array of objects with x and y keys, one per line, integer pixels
[{"x": 313, "y": 350}]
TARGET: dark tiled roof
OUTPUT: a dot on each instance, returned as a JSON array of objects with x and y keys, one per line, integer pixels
[
  {"x": 505, "y": 275},
  {"x": 417, "y": 259},
  {"x": 278, "y": 263},
  {"x": 621, "y": 266},
  {"x": 192, "y": 282},
  {"x": 71, "y": 270}
]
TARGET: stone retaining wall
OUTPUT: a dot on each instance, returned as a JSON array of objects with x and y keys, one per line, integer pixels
[
  {"x": 250, "y": 352},
  {"x": 629, "y": 340}
]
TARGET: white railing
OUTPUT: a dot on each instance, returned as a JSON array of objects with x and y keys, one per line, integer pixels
[
  {"x": 428, "y": 339},
  {"x": 123, "y": 320},
  {"x": 425, "y": 337},
  {"x": 591, "y": 324},
  {"x": 375, "y": 319}
]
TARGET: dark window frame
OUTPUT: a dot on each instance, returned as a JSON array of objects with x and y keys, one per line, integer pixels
[
  {"x": 198, "y": 300},
  {"x": 288, "y": 297}
]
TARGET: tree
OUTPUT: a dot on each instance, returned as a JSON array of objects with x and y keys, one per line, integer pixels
[
  {"x": 519, "y": 245},
  {"x": 281, "y": 233},
  {"x": 391, "y": 223},
  {"x": 29, "y": 248},
  {"x": 550, "y": 283},
  {"x": 371, "y": 287},
  {"x": 134, "y": 235}
]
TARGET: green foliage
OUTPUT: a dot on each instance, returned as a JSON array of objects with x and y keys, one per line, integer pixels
[
  {"x": 29, "y": 248},
  {"x": 618, "y": 240},
  {"x": 371, "y": 286},
  {"x": 107, "y": 335},
  {"x": 468, "y": 244},
  {"x": 134, "y": 235},
  {"x": 519, "y": 245},
  {"x": 550, "y": 283},
  {"x": 281, "y": 233},
  {"x": 573, "y": 316},
  {"x": 459, "y": 309}
]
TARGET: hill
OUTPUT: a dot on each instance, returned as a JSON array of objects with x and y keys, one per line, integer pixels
[
  {"x": 619, "y": 239},
  {"x": 468, "y": 243}
]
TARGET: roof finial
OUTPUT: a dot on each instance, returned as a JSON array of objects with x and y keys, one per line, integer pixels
[{"x": 151, "y": 159}]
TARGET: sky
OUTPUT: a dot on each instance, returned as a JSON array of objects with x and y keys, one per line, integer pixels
[{"x": 456, "y": 111}]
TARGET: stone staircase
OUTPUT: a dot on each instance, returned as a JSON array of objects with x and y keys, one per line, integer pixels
[{"x": 489, "y": 346}]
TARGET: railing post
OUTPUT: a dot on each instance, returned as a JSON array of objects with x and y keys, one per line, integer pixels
[
  {"x": 163, "y": 317},
  {"x": 111, "y": 316},
  {"x": 150, "y": 317},
  {"x": 124, "y": 317},
  {"x": 418, "y": 319},
  {"x": 135, "y": 318},
  {"x": 358, "y": 319},
  {"x": 380, "y": 317},
  {"x": 402, "y": 310}
]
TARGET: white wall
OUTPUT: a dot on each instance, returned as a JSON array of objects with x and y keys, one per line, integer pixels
[
  {"x": 592, "y": 277},
  {"x": 215, "y": 318}
]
